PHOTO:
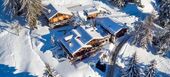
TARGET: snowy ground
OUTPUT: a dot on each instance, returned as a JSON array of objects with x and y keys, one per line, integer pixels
[
  {"x": 144, "y": 58},
  {"x": 29, "y": 52}
]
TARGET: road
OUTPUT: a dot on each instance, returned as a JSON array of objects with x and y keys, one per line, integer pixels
[{"x": 111, "y": 67}]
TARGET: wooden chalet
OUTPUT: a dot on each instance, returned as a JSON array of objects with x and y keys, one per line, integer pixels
[
  {"x": 92, "y": 12},
  {"x": 82, "y": 42},
  {"x": 115, "y": 29},
  {"x": 57, "y": 15}
]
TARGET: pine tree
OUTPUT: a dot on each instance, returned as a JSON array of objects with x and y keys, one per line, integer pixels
[
  {"x": 151, "y": 69},
  {"x": 30, "y": 9},
  {"x": 143, "y": 34},
  {"x": 49, "y": 72},
  {"x": 33, "y": 10},
  {"x": 12, "y": 7},
  {"x": 164, "y": 14},
  {"x": 164, "y": 43},
  {"x": 132, "y": 70},
  {"x": 122, "y": 3},
  {"x": 119, "y": 3}
]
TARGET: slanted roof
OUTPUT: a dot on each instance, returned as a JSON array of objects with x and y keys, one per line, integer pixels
[
  {"x": 80, "y": 37},
  {"x": 110, "y": 25},
  {"x": 52, "y": 9},
  {"x": 91, "y": 10}
]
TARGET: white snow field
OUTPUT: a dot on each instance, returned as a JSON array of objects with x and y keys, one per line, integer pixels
[
  {"x": 144, "y": 57},
  {"x": 30, "y": 52},
  {"x": 16, "y": 51}
]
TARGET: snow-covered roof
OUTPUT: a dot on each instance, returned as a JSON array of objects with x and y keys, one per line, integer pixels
[
  {"x": 90, "y": 8},
  {"x": 110, "y": 25},
  {"x": 52, "y": 8},
  {"x": 80, "y": 37}
]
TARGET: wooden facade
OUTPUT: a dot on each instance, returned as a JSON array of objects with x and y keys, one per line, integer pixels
[
  {"x": 92, "y": 16},
  {"x": 97, "y": 42},
  {"x": 121, "y": 32},
  {"x": 59, "y": 17},
  {"x": 88, "y": 51}
]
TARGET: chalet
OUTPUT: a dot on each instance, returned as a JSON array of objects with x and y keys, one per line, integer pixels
[
  {"x": 81, "y": 42},
  {"x": 90, "y": 10},
  {"x": 115, "y": 29},
  {"x": 57, "y": 15}
]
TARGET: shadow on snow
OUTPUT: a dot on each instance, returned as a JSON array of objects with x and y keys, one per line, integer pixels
[{"x": 6, "y": 71}]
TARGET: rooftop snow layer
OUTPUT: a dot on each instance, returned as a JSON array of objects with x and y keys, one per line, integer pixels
[
  {"x": 110, "y": 25},
  {"x": 52, "y": 9},
  {"x": 80, "y": 37}
]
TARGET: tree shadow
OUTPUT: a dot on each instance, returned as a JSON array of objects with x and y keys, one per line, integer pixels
[
  {"x": 6, "y": 71},
  {"x": 132, "y": 9},
  {"x": 6, "y": 17},
  {"x": 57, "y": 34},
  {"x": 162, "y": 74},
  {"x": 43, "y": 20}
]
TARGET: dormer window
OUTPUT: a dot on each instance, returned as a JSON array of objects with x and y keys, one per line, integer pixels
[
  {"x": 78, "y": 37},
  {"x": 49, "y": 11}
]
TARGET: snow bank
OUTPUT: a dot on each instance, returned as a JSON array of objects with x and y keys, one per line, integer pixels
[
  {"x": 66, "y": 69},
  {"x": 17, "y": 51},
  {"x": 148, "y": 6}
]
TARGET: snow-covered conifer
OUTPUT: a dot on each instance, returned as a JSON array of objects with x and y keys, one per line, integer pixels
[
  {"x": 49, "y": 72},
  {"x": 164, "y": 43},
  {"x": 151, "y": 69},
  {"x": 30, "y": 9},
  {"x": 132, "y": 69},
  {"x": 143, "y": 34},
  {"x": 164, "y": 14}
]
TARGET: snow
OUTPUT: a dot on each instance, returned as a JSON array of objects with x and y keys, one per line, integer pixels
[
  {"x": 80, "y": 37},
  {"x": 66, "y": 69},
  {"x": 144, "y": 57},
  {"x": 148, "y": 6},
  {"x": 116, "y": 15},
  {"x": 110, "y": 25},
  {"x": 17, "y": 51},
  {"x": 52, "y": 9},
  {"x": 28, "y": 52}
]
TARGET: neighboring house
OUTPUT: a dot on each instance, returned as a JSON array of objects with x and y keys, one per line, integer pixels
[
  {"x": 90, "y": 10},
  {"x": 57, "y": 15},
  {"x": 115, "y": 29},
  {"x": 81, "y": 41}
]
